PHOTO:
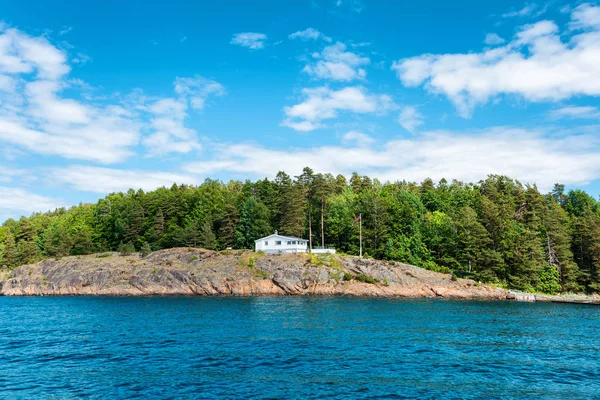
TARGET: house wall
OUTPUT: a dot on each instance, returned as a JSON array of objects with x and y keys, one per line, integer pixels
[{"x": 271, "y": 247}]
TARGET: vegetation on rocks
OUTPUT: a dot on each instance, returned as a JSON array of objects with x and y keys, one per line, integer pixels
[
  {"x": 497, "y": 230},
  {"x": 233, "y": 272}
]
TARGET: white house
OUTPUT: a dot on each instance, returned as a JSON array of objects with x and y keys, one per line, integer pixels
[{"x": 277, "y": 243}]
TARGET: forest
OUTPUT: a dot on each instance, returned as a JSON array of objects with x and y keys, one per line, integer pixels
[{"x": 495, "y": 231}]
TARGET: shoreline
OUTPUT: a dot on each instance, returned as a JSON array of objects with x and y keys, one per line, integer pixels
[{"x": 240, "y": 273}]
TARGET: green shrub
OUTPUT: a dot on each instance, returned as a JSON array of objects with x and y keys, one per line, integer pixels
[
  {"x": 348, "y": 277},
  {"x": 548, "y": 280},
  {"x": 145, "y": 249},
  {"x": 453, "y": 277},
  {"x": 126, "y": 249},
  {"x": 365, "y": 278}
]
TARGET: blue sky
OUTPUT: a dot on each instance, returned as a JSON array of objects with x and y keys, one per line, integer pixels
[{"x": 97, "y": 97}]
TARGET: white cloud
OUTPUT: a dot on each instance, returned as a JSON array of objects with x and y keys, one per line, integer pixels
[
  {"x": 527, "y": 155},
  {"x": 197, "y": 89},
  {"x": 81, "y": 58},
  {"x": 536, "y": 65},
  {"x": 585, "y": 16},
  {"x": 20, "y": 54},
  {"x": 358, "y": 138},
  {"x": 309, "y": 34},
  {"x": 324, "y": 103},
  {"x": 528, "y": 9},
  {"x": 35, "y": 113},
  {"x": 337, "y": 64},
  {"x": 579, "y": 112},
  {"x": 493, "y": 39},
  {"x": 251, "y": 40},
  {"x": 15, "y": 201},
  {"x": 410, "y": 118},
  {"x": 168, "y": 115},
  {"x": 108, "y": 180}
]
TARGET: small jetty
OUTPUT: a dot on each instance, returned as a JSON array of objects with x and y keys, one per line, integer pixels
[{"x": 543, "y": 298}]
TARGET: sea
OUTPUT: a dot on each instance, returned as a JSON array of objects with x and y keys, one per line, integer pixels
[{"x": 296, "y": 348}]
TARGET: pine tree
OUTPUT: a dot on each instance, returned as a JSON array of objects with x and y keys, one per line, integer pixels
[
  {"x": 10, "y": 251},
  {"x": 145, "y": 249},
  {"x": 207, "y": 237},
  {"x": 253, "y": 224}
]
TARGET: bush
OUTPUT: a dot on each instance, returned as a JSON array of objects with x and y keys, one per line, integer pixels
[
  {"x": 348, "y": 277},
  {"x": 145, "y": 250},
  {"x": 126, "y": 249},
  {"x": 453, "y": 277},
  {"x": 365, "y": 278},
  {"x": 548, "y": 280}
]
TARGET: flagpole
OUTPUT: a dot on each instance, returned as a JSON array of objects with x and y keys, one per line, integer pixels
[{"x": 360, "y": 234}]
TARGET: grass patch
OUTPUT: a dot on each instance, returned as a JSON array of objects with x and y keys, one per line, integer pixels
[
  {"x": 250, "y": 263},
  {"x": 154, "y": 270},
  {"x": 325, "y": 260},
  {"x": 194, "y": 258},
  {"x": 104, "y": 255}
]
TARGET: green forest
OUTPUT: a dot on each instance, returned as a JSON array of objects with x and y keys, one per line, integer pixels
[{"x": 495, "y": 231}]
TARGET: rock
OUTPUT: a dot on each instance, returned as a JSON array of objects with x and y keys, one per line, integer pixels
[{"x": 186, "y": 271}]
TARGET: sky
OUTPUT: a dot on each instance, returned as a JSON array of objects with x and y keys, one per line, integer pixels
[{"x": 100, "y": 97}]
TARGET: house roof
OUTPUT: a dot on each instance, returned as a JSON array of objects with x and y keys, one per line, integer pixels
[{"x": 279, "y": 236}]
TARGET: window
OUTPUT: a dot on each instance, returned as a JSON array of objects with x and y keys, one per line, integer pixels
[
  {"x": 294, "y": 242},
  {"x": 278, "y": 243},
  {"x": 266, "y": 242},
  {"x": 289, "y": 242}
]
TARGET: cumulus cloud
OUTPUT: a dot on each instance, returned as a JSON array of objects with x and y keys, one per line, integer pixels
[
  {"x": 35, "y": 113},
  {"x": 15, "y": 201},
  {"x": 324, "y": 103},
  {"x": 309, "y": 34},
  {"x": 251, "y": 40},
  {"x": 410, "y": 118},
  {"x": 527, "y": 155},
  {"x": 108, "y": 180},
  {"x": 335, "y": 63},
  {"x": 537, "y": 65}
]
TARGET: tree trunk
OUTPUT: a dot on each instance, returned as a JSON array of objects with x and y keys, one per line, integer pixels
[
  {"x": 322, "y": 222},
  {"x": 309, "y": 229}
]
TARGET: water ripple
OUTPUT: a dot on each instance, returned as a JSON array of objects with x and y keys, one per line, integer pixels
[{"x": 341, "y": 348}]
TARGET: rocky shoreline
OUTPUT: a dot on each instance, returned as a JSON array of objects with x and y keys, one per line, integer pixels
[
  {"x": 187, "y": 271},
  {"x": 190, "y": 271}
]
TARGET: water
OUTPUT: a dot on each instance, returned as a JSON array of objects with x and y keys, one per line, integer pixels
[{"x": 289, "y": 347}]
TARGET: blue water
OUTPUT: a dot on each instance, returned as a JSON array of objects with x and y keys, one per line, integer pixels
[{"x": 289, "y": 347}]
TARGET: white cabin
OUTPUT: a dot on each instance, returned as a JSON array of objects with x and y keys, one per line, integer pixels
[{"x": 277, "y": 243}]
